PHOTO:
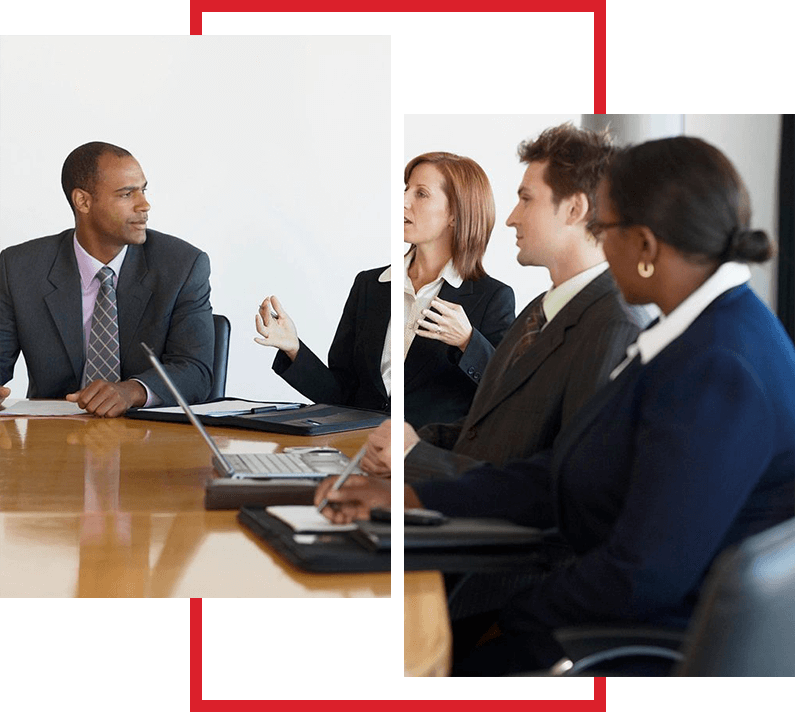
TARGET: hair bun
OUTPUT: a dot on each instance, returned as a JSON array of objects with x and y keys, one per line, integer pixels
[{"x": 747, "y": 245}]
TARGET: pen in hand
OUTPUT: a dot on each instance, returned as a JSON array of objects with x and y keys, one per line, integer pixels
[{"x": 346, "y": 473}]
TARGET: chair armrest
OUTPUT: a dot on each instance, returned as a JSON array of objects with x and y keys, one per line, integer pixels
[{"x": 589, "y": 646}]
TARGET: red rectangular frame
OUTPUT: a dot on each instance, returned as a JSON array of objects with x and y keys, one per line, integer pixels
[
  {"x": 197, "y": 704},
  {"x": 597, "y": 7}
]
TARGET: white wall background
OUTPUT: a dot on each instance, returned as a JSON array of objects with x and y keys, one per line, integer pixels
[
  {"x": 750, "y": 141},
  {"x": 269, "y": 153}
]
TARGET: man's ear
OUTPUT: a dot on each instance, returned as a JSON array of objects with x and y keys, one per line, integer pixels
[
  {"x": 577, "y": 206},
  {"x": 81, "y": 200}
]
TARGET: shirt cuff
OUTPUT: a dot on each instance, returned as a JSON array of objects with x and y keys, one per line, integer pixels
[{"x": 151, "y": 398}]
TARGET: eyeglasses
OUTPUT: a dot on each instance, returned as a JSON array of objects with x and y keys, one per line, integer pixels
[{"x": 598, "y": 228}]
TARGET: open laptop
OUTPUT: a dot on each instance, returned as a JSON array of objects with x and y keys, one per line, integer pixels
[{"x": 310, "y": 463}]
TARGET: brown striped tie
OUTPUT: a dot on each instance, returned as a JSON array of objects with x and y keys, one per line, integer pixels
[{"x": 532, "y": 328}]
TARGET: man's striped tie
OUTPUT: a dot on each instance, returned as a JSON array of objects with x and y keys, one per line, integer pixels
[
  {"x": 532, "y": 328},
  {"x": 102, "y": 352}
]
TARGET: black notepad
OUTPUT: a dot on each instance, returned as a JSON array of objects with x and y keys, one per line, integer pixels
[
  {"x": 317, "y": 419},
  {"x": 464, "y": 545}
]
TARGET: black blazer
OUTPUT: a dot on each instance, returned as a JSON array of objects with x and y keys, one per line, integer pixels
[
  {"x": 353, "y": 374},
  {"x": 441, "y": 380},
  {"x": 163, "y": 297}
]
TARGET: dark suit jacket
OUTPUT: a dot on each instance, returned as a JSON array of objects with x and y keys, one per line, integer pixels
[
  {"x": 353, "y": 374},
  {"x": 440, "y": 380},
  {"x": 665, "y": 467},
  {"x": 519, "y": 413},
  {"x": 163, "y": 299}
]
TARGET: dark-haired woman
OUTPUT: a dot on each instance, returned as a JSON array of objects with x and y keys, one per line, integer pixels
[{"x": 688, "y": 450}]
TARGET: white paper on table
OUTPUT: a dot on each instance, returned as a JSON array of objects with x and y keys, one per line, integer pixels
[
  {"x": 306, "y": 519},
  {"x": 13, "y": 408}
]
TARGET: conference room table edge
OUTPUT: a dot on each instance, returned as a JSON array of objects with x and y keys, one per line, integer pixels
[{"x": 115, "y": 507}]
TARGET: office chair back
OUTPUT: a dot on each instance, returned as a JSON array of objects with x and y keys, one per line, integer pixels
[
  {"x": 223, "y": 330},
  {"x": 745, "y": 620}
]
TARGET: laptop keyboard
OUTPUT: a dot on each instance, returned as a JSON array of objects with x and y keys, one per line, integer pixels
[{"x": 269, "y": 463}]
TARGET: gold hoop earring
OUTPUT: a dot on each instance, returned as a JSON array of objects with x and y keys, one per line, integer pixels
[{"x": 645, "y": 269}]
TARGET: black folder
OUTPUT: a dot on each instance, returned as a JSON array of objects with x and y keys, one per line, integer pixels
[
  {"x": 317, "y": 419},
  {"x": 327, "y": 553},
  {"x": 458, "y": 533},
  {"x": 461, "y": 545}
]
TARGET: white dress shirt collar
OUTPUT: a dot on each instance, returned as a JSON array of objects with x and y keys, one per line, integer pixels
[
  {"x": 558, "y": 297},
  {"x": 88, "y": 266},
  {"x": 448, "y": 273}
]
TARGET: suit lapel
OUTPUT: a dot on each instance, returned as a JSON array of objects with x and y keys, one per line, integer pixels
[
  {"x": 65, "y": 303},
  {"x": 132, "y": 296},
  {"x": 506, "y": 378},
  {"x": 545, "y": 345},
  {"x": 376, "y": 305}
]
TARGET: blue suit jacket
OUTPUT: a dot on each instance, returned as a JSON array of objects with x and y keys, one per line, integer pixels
[
  {"x": 666, "y": 466},
  {"x": 163, "y": 297}
]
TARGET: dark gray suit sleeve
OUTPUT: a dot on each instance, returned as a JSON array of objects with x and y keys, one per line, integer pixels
[
  {"x": 429, "y": 462},
  {"x": 188, "y": 352},
  {"x": 9, "y": 341}
]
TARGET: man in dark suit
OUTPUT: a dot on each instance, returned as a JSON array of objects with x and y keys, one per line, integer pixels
[{"x": 77, "y": 304}]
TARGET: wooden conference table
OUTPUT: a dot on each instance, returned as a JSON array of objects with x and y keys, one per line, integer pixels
[
  {"x": 427, "y": 638},
  {"x": 93, "y": 507}
]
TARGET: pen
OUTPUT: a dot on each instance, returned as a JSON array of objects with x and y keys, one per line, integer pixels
[
  {"x": 269, "y": 408},
  {"x": 346, "y": 473}
]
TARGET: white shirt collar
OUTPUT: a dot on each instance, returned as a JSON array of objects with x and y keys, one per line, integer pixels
[
  {"x": 386, "y": 275},
  {"x": 557, "y": 298},
  {"x": 448, "y": 273},
  {"x": 671, "y": 327},
  {"x": 88, "y": 266}
]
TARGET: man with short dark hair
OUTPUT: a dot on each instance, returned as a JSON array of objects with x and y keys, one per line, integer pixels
[{"x": 78, "y": 304}]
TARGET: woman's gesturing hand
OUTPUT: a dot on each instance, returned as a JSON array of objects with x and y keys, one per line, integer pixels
[
  {"x": 449, "y": 324},
  {"x": 276, "y": 328}
]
